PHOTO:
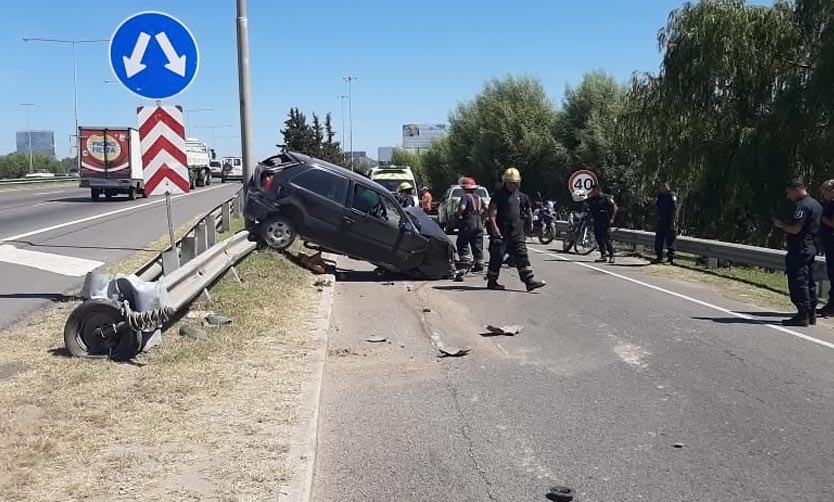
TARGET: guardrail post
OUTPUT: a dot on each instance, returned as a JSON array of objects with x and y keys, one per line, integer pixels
[
  {"x": 200, "y": 237},
  {"x": 226, "y": 217},
  {"x": 712, "y": 263},
  {"x": 187, "y": 249},
  {"x": 240, "y": 202},
  {"x": 211, "y": 231},
  {"x": 170, "y": 261}
]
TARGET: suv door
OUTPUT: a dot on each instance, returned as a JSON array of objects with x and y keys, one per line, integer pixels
[
  {"x": 320, "y": 195},
  {"x": 372, "y": 225}
]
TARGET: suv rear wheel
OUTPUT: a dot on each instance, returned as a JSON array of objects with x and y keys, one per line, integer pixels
[{"x": 278, "y": 232}]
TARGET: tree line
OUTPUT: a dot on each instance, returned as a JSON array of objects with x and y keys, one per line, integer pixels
[
  {"x": 742, "y": 102},
  {"x": 16, "y": 165}
]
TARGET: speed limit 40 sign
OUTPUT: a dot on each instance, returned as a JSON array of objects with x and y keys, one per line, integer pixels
[{"x": 582, "y": 180}]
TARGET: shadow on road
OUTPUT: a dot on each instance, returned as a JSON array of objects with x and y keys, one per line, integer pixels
[
  {"x": 88, "y": 200},
  {"x": 735, "y": 320},
  {"x": 64, "y": 246},
  {"x": 53, "y": 297},
  {"x": 769, "y": 314},
  {"x": 476, "y": 288}
]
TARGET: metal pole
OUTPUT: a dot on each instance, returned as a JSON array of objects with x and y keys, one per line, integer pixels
[
  {"x": 350, "y": 80},
  {"x": 170, "y": 219},
  {"x": 75, "y": 85},
  {"x": 244, "y": 85},
  {"x": 342, "y": 99},
  {"x": 29, "y": 133}
]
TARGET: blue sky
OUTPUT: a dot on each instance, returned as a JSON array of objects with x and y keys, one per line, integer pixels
[{"x": 415, "y": 61}]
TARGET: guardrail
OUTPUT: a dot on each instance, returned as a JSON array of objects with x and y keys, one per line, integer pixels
[{"x": 26, "y": 181}]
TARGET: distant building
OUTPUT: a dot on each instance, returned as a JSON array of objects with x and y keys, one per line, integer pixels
[
  {"x": 356, "y": 156},
  {"x": 419, "y": 137},
  {"x": 385, "y": 154},
  {"x": 43, "y": 142}
]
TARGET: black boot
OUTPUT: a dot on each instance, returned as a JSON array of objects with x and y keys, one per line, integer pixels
[
  {"x": 478, "y": 267},
  {"x": 800, "y": 320},
  {"x": 601, "y": 259},
  {"x": 826, "y": 311},
  {"x": 533, "y": 284},
  {"x": 493, "y": 285},
  {"x": 812, "y": 317}
]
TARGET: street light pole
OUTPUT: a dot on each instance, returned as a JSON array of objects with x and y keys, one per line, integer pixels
[
  {"x": 214, "y": 129},
  {"x": 349, "y": 79},
  {"x": 188, "y": 116},
  {"x": 342, "y": 99},
  {"x": 29, "y": 132},
  {"x": 74, "y": 43},
  {"x": 244, "y": 86}
]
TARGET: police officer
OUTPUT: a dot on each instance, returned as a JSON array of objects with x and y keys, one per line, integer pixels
[
  {"x": 827, "y": 240},
  {"x": 506, "y": 231},
  {"x": 603, "y": 210},
  {"x": 801, "y": 232},
  {"x": 404, "y": 195},
  {"x": 471, "y": 227},
  {"x": 666, "y": 231}
]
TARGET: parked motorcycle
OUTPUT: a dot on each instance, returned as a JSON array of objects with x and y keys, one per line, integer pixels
[
  {"x": 580, "y": 234},
  {"x": 546, "y": 223}
]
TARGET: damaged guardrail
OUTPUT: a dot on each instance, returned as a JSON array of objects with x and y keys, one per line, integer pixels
[{"x": 123, "y": 315}]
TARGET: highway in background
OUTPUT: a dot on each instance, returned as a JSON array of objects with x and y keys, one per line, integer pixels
[{"x": 51, "y": 237}]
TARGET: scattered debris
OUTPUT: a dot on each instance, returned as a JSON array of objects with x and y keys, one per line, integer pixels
[
  {"x": 454, "y": 351},
  {"x": 511, "y": 330},
  {"x": 561, "y": 494},
  {"x": 677, "y": 445},
  {"x": 389, "y": 283},
  {"x": 426, "y": 310},
  {"x": 408, "y": 288},
  {"x": 216, "y": 320},
  {"x": 198, "y": 314},
  {"x": 376, "y": 339},
  {"x": 192, "y": 332},
  {"x": 323, "y": 283},
  {"x": 343, "y": 353}
]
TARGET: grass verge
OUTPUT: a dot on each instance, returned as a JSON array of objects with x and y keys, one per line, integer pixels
[
  {"x": 34, "y": 186},
  {"x": 189, "y": 420}
]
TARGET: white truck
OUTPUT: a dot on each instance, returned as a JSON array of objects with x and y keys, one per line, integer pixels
[
  {"x": 199, "y": 156},
  {"x": 111, "y": 162}
]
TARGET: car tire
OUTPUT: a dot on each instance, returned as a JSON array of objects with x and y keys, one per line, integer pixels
[
  {"x": 131, "y": 194},
  {"x": 95, "y": 194},
  {"x": 278, "y": 232},
  {"x": 207, "y": 180},
  {"x": 80, "y": 339}
]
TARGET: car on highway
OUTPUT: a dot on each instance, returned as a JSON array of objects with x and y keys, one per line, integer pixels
[
  {"x": 292, "y": 195},
  {"x": 232, "y": 169},
  {"x": 448, "y": 207},
  {"x": 216, "y": 168},
  {"x": 40, "y": 174}
]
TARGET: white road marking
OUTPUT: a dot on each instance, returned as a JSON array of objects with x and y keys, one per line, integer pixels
[
  {"x": 781, "y": 329},
  {"x": 43, "y": 203},
  {"x": 57, "y": 264},
  {"x": 51, "y": 193},
  {"x": 103, "y": 215}
]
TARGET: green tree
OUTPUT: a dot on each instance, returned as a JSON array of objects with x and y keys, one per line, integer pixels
[
  {"x": 298, "y": 135},
  {"x": 437, "y": 171},
  {"x": 414, "y": 160},
  {"x": 331, "y": 149}
]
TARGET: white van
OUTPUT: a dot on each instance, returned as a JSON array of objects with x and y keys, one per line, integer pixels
[{"x": 391, "y": 176}]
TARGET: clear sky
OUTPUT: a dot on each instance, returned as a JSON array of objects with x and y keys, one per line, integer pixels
[{"x": 415, "y": 61}]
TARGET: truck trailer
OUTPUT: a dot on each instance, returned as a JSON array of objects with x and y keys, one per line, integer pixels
[{"x": 111, "y": 162}]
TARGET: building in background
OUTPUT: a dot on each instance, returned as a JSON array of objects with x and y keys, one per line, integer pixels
[
  {"x": 385, "y": 154},
  {"x": 419, "y": 137},
  {"x": 356, "y": 156},
  {"x": 43, "y": 142}
]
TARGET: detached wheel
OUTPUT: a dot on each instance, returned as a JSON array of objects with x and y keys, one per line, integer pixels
[
  {"x": 80, "y": 336},
  {"x": 278, "y": 232}
]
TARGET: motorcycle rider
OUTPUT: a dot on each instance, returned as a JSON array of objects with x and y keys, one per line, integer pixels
[
  {"x": 404, "y": 195},
  {"x": 603, "y": 210},
  {"x": 507, "y": 210},
  {"x": 471, "y": 228}
]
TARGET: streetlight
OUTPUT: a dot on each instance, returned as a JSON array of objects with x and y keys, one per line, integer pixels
[
  {"x": 349, "y": 79},
  {"x": 27, "y": 106},
  {"x": 244, "y": 86},
  {"x": 213, "y": 129},
  {"x": 342, "y": 98},
  {"x": 189, "y": 111},
  {"x": 74, "y": 43}
]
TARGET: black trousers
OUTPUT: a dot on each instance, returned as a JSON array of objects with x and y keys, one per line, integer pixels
[
  {"x": 516, "y": 247},
  {"x": 828, "y": 247},
  {"x": 665, "y": 236},
  {"x": 799, "y": 267},
  {"x": 603, "y": 235},
  {"x": 471, "y": 237}
]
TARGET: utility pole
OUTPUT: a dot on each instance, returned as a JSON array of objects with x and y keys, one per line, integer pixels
[
  {"x": 342, "y": 99},
  {"x": 349, "y": 79},
  {"x": 27, "y": 106},
  {"x": 246, "y": 143}
]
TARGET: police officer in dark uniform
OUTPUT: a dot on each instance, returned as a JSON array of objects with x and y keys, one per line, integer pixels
[
  {"x": 667, "y": 215},
  {"x": 801, "y": 233},
  {"x": 471, "y": 227},
  {"x": 827, "y": 240},
  {"x": 603, "y": 210},
  {"x": 506, "y": 229}
]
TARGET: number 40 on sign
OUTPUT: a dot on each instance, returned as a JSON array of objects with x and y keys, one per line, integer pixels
[{"x": 582, "y": 180}]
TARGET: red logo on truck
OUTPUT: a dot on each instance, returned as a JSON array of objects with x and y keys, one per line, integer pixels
[{"x": 105, "y": 152}]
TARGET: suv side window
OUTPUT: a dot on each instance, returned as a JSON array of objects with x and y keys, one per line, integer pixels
[
  {"x": 323, "y": 183},
  {"x": 374, "y": 204}
]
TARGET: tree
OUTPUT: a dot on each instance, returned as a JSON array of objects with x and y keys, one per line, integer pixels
[
  {"x": 438, "y": 173},
  {"x": 298, "y": 135},
  {"x": 414, "y": 160},
  {"x": 317, "y": 137},
  {"x": 332, "y": 149}
]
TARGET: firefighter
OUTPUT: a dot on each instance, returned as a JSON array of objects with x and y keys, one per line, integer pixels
[
  {"x": 471, "y": 227},
  {"x": 404, "y": 195},
  {"x": 507, "y": 210}
]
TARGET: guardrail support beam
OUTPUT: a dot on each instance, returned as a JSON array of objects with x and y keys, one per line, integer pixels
[
  {"x": 170, "y": 261},
  {"x": 188, "y": 249},
  {"x": 226, "y": 217},
  {"x": 211, "y": 231},
  {"x": 200, "y": 234},
  {"x": 712, "y": 263}
]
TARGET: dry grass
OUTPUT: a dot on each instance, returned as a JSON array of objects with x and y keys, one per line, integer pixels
[
  {"x": 34, "y": 186},
  {"x": 192, "y": 420}
]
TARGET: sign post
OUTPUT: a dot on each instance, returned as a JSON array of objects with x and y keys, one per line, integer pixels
[
  {"x": 582, "y": 180},
  {"x": 155, "y": 56}
]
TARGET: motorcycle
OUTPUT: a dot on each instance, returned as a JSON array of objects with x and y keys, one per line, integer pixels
[
  {"x": 546, "y": 223},
  {"x": 580, "y": 235}
]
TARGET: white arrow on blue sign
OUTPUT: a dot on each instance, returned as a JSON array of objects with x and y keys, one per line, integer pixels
[{"x": 154, "y": 55}]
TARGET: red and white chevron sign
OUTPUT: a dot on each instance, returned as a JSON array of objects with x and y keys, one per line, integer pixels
[{"x": 164, "y": 161}]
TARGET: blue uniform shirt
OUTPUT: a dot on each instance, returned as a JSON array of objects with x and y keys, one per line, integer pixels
[{"x": 807, "y": 212}]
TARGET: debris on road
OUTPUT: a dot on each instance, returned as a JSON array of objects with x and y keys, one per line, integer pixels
[
  {"x": 677, "y": 445},
  {"x": 314, "y": 263},
  {"x": 389, "y": 283},
  {"x": 198, "y": 314},
  {"x": 323, "y": 283},
  {"x": 216, "y": 320},
  {"x": 511, "y": 330},
  {"x": 454, "y": 351},
  {"x": 426, "y": 310},
  {"x": 376, "y": 339},
  {"x": 192, "y": 332},
  {"x": 561, "y": 494}
]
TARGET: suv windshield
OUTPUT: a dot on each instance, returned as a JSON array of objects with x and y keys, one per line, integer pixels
[{"x": 391, "y": 185}]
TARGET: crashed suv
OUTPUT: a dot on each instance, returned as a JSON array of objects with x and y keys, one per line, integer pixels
[{"x": 292, "y": 195}]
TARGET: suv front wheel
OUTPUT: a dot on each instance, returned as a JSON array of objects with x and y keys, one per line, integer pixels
[{"x": 278, "y": 232}]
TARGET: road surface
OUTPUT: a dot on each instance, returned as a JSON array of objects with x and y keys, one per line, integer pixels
[
  {"x": 624, "y": 385},
  {"x": 51, "y": 237}
]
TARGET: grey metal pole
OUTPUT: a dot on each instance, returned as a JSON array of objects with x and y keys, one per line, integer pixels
[
  {"x": 170, "y": 212},
  {"x": 342, "y": 99},
  {"x": 244, "y": 85},
  {"x": 75, "y": 86},
  {"x": 29, "y": 133},
  {"x": 349, "y": 79}
]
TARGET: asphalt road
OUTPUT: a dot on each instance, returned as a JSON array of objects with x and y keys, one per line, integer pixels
[
  {"x": 624, "y": 385},
  {"x": 50, "y": 238}
]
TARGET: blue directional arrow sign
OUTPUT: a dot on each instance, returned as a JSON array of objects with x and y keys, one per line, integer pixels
[{"x": 154, "y": 55}]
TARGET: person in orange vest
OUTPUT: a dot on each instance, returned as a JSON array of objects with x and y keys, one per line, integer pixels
[{"x": 425, "y": 199}]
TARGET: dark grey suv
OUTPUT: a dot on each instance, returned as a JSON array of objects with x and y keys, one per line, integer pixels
[{"x": 292, "y": 195}]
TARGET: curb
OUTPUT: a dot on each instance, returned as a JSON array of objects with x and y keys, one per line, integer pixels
[{"x": 299, "y": 488}]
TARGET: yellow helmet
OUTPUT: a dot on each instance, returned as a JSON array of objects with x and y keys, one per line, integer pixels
[
  {"x": 405, "y": 186},
  {"x": 512, "y": 175}
]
